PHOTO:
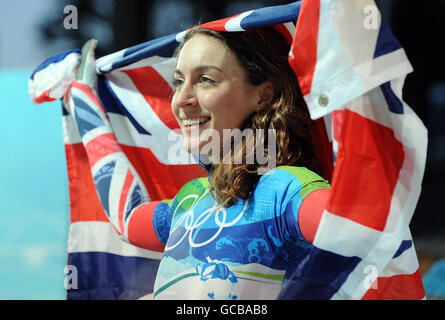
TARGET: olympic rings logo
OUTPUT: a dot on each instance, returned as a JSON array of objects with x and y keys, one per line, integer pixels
[{"x": 192, "y": 224}]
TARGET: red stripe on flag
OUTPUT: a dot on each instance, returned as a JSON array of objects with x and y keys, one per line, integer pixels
[
  {"x": 281, "y": 29},
  {"x": 323, "y": 147},
  {"x": 90, "y": 94},
  {"x": 156, "y": 91},
  {"x": 123, "y": 198},
  {"x": 66, "y": 98},
  {"x": 44, "y": 97},
  {"x": 84, "y": 202},
  {"x": 399, "y": 287},
  {"x": 367, "y": 169},
  {"x": 162, "y": 181},
  {"x": 102, "y": 146},
  {"x": 218, "y": 25},
  {"x": 304, "y": 46}
]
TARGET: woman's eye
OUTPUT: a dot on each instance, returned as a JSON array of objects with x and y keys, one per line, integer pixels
[
  {"x": 177, "y": 83},
  {"x": 205, "y": 79}
]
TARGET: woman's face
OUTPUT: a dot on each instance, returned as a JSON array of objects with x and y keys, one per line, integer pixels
[{"x": 211, "y": 92}]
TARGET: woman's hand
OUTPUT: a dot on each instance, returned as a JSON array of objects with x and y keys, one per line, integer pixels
[{"x": 86, "y": 73}]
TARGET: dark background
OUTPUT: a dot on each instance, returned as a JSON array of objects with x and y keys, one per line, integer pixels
[{"x": 119, "y": 24}]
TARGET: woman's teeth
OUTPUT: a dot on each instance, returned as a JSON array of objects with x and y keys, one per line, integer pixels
[{"x": 196, "y": 121}]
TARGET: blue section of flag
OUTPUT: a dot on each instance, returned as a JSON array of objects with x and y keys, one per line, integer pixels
[
  {"x": 163, "y": 47},
  {"x": 64, "y": 111},
  {"x": 108, "y": 276},
  {"x": 319, "y": 276},
  {"x": 102, "y": 180},
  {"x": 405, "y": 245},
  {"x": 386, "y": 42},
  {"x": 271, "y": 15},
  {"x": 136, "y": 199},
  {"x": 393, "y": 102},
  {"x": 113, "y": 104},
  {"x": 86, "y": 118}
]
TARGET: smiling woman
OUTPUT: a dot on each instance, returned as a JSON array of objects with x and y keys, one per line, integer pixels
[
  {"x": 235, "y": 234},
  {"x": 241, "y": 80},
  {"x": 211, "y": 85}
]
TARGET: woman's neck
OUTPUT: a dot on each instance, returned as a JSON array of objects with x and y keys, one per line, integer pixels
[{"x": 203, "y": 160}]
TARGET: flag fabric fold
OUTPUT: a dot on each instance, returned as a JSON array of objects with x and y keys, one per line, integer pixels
[
  {"x": 370, "y": 142},
  {"x": 355, "y": 72}
]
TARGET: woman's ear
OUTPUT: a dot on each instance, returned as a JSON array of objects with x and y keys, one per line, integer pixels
[{"x": 266, "y": 94}]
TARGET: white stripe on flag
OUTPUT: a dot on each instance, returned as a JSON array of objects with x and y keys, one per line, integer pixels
[
  {"x": 105, "y": 63},
  {"x": 406, "y": 263},
  {"x": 345, "y": 57},
  {"x": 147, "y": 62},
  {"x": 168, "y": 149},
  {"x": 70, "y": 132},
  {"x": 377, "y": 254},
  {"x": 290, "y": 27},
  {"x": 55, "y": 77},
  {"x": 140, "y": 109},
  {"x": 235, "y": 23},
  {"x": 334, "y": 234},
  {"x": 96, "y": 236}
]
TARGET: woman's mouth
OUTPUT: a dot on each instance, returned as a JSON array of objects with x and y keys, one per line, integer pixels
[{"x": 189, "y": 123}]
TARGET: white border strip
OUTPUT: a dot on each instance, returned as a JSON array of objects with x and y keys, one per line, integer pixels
[{"x": 97, "y": 236}]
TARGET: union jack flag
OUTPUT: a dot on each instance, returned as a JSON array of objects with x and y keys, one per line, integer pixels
[{"x": 371, "y": 144}]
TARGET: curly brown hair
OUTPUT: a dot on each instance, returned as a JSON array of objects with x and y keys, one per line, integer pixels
[{"x": 263, "y": 53}]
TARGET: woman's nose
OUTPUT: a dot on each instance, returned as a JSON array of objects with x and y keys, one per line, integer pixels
[{"x": 185, "y": 96}]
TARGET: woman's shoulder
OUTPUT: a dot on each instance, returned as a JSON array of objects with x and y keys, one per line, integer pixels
[
  {"x": 196, "y": 186},
  {"x": 293, "y": 179},
  {"x": 302, "y": 174},
  {"x": 192, "y": 190}
]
